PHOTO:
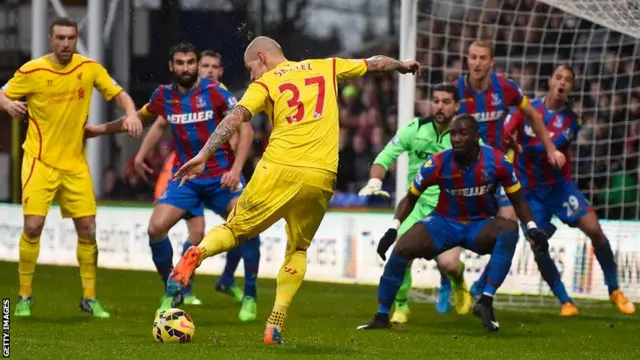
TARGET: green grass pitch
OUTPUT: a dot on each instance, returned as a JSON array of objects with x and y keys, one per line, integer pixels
[{"x": 321, "y": 325}]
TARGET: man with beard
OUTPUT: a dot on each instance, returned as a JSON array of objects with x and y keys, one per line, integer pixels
[
  {"x": 210, "y": 67},
  {"x": 422, "y": 138},
  {"x": 192, "y": 107},
  {"x": 550, "y": 191},
  {"x": 468, "y": 175}
]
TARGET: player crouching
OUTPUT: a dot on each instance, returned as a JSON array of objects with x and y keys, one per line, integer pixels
[{"x": 468, "y": 175}]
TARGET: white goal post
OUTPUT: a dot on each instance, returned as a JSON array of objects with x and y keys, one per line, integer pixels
[{"x": 600, "y": 39}]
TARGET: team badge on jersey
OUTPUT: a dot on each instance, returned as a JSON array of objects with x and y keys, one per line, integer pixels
[
  {"x": 200, "y": 102},
  {"x": 558, "y": 122},
  {"x": 495, "y": 99}
]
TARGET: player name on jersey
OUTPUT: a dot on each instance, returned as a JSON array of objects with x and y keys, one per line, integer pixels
[
  {"x": 192, "y": 117},
  {"x": 300, "y": 66},
  {"x": 471, "y": 191},
  {"x": 488, "y": 115}
]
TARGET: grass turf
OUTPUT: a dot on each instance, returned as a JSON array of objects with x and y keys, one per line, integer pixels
[{"x": 320, "y": 325}]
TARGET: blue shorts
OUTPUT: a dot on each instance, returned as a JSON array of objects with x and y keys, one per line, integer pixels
[
  {"x": 193, "y": 213},
  {"x": 563, "y": 200},
  {"x": 198, "y": 193},
  {"x": 447, "y": 234},
  {"x": 501, "y": 197}
]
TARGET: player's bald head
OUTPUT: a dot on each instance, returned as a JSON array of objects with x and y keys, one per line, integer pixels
[{"x": 262, "y": 45}]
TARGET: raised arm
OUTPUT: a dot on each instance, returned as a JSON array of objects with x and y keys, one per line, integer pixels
[
  {"x": 354, "y": 68},
  {"x": 382, "y": 63}
]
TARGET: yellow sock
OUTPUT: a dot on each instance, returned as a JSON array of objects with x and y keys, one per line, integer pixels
[
  {"x": 289, "y": 280},
  {"x": 87, "y": 253},
  {"x": 29, "y": 251},
  {"x": 218, "y": 240}
]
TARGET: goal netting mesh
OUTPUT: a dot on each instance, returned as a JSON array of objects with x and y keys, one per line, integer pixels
[{"x": 599, "y": 38}]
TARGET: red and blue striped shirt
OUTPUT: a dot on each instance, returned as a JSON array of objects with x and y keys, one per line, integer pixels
[
  {"x": 491, "y": 106},
  {"x": 532, "y": 166},
  {"x": 467, "y": 193},
  {"x": 193, "y": 117}
]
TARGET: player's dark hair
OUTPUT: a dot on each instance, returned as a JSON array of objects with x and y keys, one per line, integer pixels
[
  {"x": 211, "y": 53},
  {"x": 63, "y": 21},
  {"x": 183, "y": 47},
  {"x": 469, "y": 119},
  {"x": 484, "y": 44},
  {"x": 567, "y": 67},
  {"x": 449, "y": 89}
]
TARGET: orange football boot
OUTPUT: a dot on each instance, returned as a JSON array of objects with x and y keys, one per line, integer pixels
[
  {"x": 272, "y": 336},
  {"x": 622, "y": 303},
  {"x": 183, "y": 272},
  {"x": 569, "y": 309}
]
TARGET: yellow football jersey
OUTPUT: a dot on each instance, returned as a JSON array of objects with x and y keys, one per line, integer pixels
[
  {"x": 301, "y": 101},
  {"x": 58, "y": 100}
]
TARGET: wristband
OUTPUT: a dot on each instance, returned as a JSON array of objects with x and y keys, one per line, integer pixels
[
  {"x": 396, "y": 224},
  {"x": 531, "y": 225}
]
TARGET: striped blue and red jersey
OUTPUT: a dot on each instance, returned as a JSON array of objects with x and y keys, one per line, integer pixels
[
  {"x": 491, "y": 106},
  {"x": 192, "y": 118},
  {"x": 467, "y": 193},
  {"x": 532, "y": 166}
]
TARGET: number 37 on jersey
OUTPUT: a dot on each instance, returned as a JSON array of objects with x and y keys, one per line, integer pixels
[{"x": 301, "y": 91}]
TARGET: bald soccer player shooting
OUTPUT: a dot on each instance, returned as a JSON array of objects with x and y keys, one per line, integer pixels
[{"x": 296, "y": 176}]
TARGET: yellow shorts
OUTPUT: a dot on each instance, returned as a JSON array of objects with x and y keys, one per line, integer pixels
[
  {"x": 300, "y": 196},
  {"x": 41, "y": 184}
]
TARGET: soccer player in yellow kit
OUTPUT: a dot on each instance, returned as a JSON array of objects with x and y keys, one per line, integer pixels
[
  {"x": 296, "y": 176},
  {"x": 58, "y": 89}
]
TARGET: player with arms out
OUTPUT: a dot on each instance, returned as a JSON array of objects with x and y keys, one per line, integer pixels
[
  {"x": 422, "y": 138},
  {"x": 468, "y": 176},
  {"x": 550, "y": 191},
  {"x": 296, "y": 176},
  {"x": 210, "y": 67},
  {"x": 193, "y": 109},
  {"x": 58, "y": 88},
  {"x": 488, "y": 96}
]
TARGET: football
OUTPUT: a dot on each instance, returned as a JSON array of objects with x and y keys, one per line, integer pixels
[{"x": 173, "y": 326}]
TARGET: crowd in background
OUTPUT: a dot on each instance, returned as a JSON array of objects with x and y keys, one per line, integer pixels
[{"x": 530, "y": 39}]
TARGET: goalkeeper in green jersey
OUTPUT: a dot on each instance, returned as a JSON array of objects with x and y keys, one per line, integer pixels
[{"x": 422, "y": 138}]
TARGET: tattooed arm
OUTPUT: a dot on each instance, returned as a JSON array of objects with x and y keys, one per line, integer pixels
[
  {"x": 227, "y": 127},
  {"x": 381, "y": 63}
]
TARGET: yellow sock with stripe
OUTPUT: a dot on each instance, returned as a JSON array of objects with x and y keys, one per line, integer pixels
[
  {"x": 87, "y": 253},
  {"x": 289, "y": 280},
  {"x": 29, "y": 251}
]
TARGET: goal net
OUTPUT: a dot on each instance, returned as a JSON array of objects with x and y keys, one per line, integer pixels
[{"x": 599, "y": 38}]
